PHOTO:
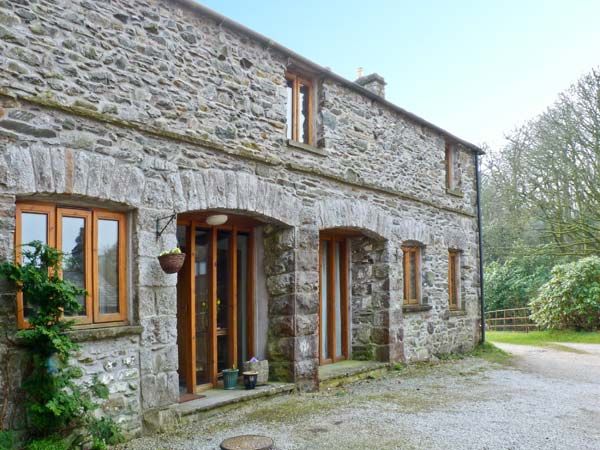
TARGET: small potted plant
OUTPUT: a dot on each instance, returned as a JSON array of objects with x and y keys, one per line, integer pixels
[
  {"x": 171, "y": 261},
  {"x": 261, "y": 367},
  {"x": 250, "y": 379},
  {"x": 230, "y": 377}
]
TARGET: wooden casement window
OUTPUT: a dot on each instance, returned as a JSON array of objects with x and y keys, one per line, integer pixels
[
  {"x": 299, "y": 109},
  {"x": 412, "y": 274},
  {"x": 454, "y": 279},
  {"x": 93, "y": 242},
  {"x": 452, "y": 169}
]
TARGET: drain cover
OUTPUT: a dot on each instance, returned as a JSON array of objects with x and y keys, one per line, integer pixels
[{"x": 247, "y": 442}]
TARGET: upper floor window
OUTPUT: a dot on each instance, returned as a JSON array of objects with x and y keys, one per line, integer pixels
[
  {"x": 93, "y": 244},
  {"x": 299, "y": 109},
  {"x": 412, "y": 274},
  {"x": 453, "y": 180},
  {"x": 454, "y": 279}
]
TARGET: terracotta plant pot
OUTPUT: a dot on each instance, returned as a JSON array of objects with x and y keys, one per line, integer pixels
[{"x": 172, "y": 262}]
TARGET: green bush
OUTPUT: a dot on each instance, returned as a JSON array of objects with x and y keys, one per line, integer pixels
[
  {"x": 105, "y": 432},
  {"x": 514, "y": 283},
  {"x": 52, "y": 443},
  {"x": 571, "y": 299},
  {"x": 8, "y": 440},
  {"x": 57, "y": 406}
]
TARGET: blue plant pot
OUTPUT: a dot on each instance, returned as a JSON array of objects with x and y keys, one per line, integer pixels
[{"x": 230, "y": 377}]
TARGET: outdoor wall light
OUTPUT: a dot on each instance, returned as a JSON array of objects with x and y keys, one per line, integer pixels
[{"x": 216, "y": 220}]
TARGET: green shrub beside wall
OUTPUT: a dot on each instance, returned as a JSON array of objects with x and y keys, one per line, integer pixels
[{"x": 571, "y": 299}]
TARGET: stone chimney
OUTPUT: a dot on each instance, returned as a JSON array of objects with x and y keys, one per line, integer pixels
[{"x": 374, "y": 83}]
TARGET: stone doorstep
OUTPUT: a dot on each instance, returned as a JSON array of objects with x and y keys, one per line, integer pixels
[
  {"x": 344, "y": 372},
  {"x": 215, "y": 401}
]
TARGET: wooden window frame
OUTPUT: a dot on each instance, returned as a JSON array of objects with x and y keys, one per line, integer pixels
[
  {"x": 97, "y": 215},
  {"x": 454, "y": 296},
  {"x": 298, "y": 80},
  {"x": 54, "y": 215},
  {"x": 330, "y": 240},
  {"x": 408, "y": 250},
  {"x": 88, "y": 267},
  {"x": 36, "y": 208},
  {"x": 451, "y": 161}
]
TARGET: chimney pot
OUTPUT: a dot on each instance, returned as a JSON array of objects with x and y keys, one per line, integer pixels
[{"x": 374, "y": 83}]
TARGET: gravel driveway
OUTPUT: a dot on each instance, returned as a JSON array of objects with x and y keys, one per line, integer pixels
[{"x": 545, "y": 398}]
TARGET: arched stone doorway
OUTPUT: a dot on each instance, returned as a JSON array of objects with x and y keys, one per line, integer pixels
[
  {"x": 354, "y": 296},
  {"x": 221, "y": 294}
]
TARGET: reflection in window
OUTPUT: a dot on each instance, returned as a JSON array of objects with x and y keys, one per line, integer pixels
[
  {"x": 34, "y": 227},
  {"x": 73, "y": 248},
  {"x": 108, "y": 266}
]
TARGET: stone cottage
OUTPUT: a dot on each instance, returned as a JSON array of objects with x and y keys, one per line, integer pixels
[{"x": 320, "y": 221}]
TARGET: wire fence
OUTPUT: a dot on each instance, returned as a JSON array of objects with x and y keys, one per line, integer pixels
[{"x": 513, "y": 319}]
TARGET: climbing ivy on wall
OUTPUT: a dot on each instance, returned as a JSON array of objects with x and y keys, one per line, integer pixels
[{"x": 57, "y": 407}]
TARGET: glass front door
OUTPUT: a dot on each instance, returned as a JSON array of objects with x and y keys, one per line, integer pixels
[{"x": 216, "y": 290}]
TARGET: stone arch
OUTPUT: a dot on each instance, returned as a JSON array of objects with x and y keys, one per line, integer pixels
[
  {"x": 414, "y": 231},
  {"x": 459, "y": 238},
  {"x": 243, "y": 192},
  {"x": 354, "y": 214}
]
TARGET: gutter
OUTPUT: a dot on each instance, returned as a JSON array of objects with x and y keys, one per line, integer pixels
[
  {"x": 220, "y": 19},
  {"x": 480, "y": 231}
]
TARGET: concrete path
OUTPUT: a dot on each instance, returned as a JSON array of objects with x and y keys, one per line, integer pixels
[
  {"x": 544, "y": 399},
  {"x": 573, "y": 362}
]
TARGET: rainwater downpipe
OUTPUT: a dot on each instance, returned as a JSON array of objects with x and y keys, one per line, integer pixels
[{"x": 480, "y": 231}]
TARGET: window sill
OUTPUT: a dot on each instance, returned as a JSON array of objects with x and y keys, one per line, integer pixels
[
  {"x": 104, "y": 332},
  {"x": 306, "y": 147},
  {"x": 415, "y": 308},
  {"x": 455, "y": 192}
]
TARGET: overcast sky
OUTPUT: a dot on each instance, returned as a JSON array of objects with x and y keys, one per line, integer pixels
[{"x": 476, "y": 68}]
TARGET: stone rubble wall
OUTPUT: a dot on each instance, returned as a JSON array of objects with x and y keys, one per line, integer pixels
[{"x": 143, "y": 107}]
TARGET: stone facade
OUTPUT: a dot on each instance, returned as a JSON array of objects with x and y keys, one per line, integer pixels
[{"x": 153, "y": 107}]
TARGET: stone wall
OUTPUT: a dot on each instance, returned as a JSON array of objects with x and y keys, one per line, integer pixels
[{"x": 143, "y": 107}]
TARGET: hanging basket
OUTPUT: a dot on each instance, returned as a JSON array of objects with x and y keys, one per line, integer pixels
[{"x": 172, "y": 262}]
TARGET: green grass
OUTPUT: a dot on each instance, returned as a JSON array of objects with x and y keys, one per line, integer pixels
[
  {"x": 543, "y": 338},
  {"x": 491, "y": 353}
]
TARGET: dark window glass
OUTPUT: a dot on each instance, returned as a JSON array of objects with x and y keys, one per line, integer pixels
[{"x": 73, "y": 248}]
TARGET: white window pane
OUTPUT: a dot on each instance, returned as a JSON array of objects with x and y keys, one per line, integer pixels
[
  {"x": 338, "y": 302},
  {"x": 289, "y": 105},
  {"x": 324, "y": 304}
]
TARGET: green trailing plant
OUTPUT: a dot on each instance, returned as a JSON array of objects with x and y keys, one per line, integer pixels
[
  {"x": 57, "y": 407},
  {"x": 571, "y": 299}
]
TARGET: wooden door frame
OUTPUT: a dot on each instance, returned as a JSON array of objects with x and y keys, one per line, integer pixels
[
  {"x": 190, "y": 280},
  {"x": 330, "y": 239}
]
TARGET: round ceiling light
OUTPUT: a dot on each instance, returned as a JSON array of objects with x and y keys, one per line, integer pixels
[{"x": 216, "y": 219}]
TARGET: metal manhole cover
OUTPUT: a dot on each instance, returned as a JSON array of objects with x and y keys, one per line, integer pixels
[{"x": 247, "y": 442}]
